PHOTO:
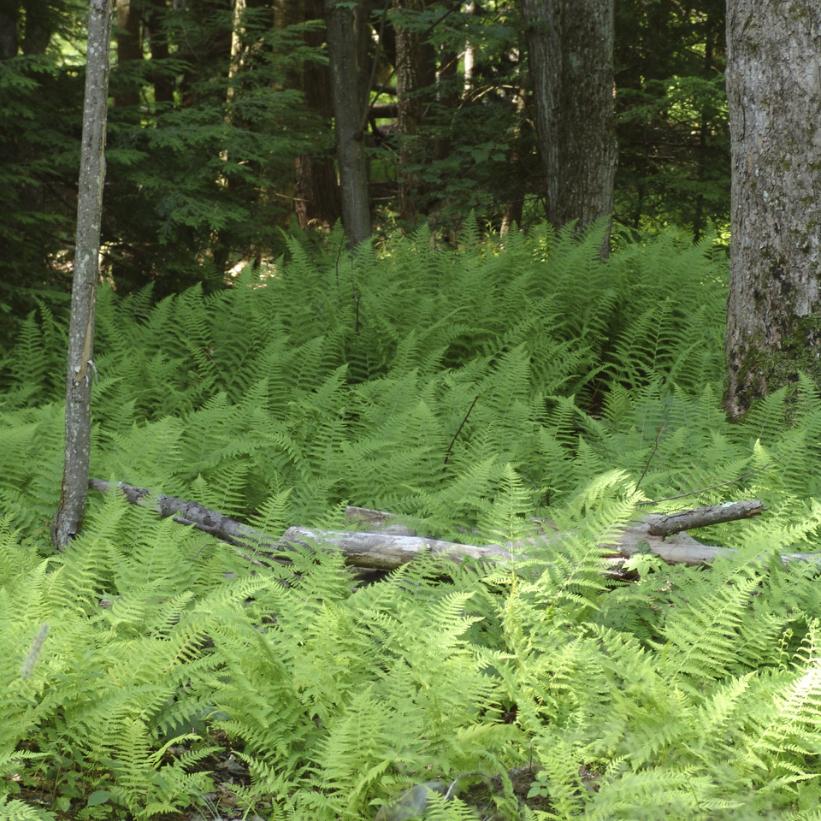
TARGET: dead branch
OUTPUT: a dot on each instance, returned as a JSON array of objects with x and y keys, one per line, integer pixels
[
  {"x": 393, "y": 544},
  {"x": 665, "y": 525}
]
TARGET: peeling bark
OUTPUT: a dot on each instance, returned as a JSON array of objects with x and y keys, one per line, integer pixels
[
  {"x": 84, "y": 285},
  {"x": 774, "y": 97}
]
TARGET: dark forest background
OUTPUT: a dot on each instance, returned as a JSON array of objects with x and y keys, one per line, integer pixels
[{"x": 221, "y": 141}]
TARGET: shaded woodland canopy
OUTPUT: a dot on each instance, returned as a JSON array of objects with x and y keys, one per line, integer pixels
[{"x": 221, "y": 135}]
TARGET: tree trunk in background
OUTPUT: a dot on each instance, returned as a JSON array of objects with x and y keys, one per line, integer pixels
[
  {"x": 158, "y": 44},
  {"x": 40, "y": 21},
  {"x": 415, "y": 73},
  {"x": 471, "y": 8},
  {"x": 129, "y": 49},
  {"x": 84, "y": 285},
  {"x": 348, "y": 50},
  {"x": 774, "y": 97},
  {"x": 317, "y": 191},
  {"x": 570, "y": 49},
  {"x": 8, "y": 30}
]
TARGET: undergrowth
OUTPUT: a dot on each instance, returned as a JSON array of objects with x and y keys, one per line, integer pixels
[{"x": 149, "y": 672}]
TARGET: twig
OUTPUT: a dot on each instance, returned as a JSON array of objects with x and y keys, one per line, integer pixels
[
  {"x": 459, "y": 429},
  {"x": 649, "y": 461}
]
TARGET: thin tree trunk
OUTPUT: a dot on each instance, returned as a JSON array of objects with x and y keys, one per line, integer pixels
[
  {"x": 317, "y": 191},
  {"x": 471, "y": 8},
  {"x": 86, "y": 270},
  {"x": 774, "y": 96},
  {"x": 705, "y": 117},
  {"x": 415, "y": 73},
  {"x": 514, "y": 207},
  {"x": 348, "y": 49},
  {"x": 570, "y": 48},
  {"x": 40, "y": 20},
  {"x": 8, "y": 31},
  {"x": 129, "y": 49},
  {"x": 158, "y": 44}
]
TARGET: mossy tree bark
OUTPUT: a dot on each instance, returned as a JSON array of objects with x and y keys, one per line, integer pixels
[
  {"x": 774, "y": 96},
  {"x": 84, "y": 285},
  {"x": 570, "y": 53},
  {"x": 348, "y": 50}
]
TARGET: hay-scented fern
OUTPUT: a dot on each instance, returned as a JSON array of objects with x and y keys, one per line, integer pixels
[{"x": 148, "y": 672}]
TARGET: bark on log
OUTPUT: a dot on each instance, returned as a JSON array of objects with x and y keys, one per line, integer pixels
[
  {"x": 388, "y": 550},
  {"x": 666, "y": 525}
]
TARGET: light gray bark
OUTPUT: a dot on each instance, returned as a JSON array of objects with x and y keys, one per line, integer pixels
[
  {"x": 774, "y": 97},
  {"x": 666, "y": 525},
  {"x": 389, "y": 544},
  {"x": 570, "y": 54},
  {"x": 348, "y": 51},
  {"x": 84, "y": 285}
]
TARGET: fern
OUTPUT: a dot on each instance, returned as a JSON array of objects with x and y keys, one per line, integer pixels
[{"x": 137, "y": 663}]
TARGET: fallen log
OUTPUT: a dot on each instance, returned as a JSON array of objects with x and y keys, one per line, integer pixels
[
  {"x": 667, "y": 524},
  {"x": 387, "y": 550}
]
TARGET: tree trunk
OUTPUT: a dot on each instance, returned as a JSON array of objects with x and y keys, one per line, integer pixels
[
  {"x": 415, "y": 73},
  {"x": 774, "y": 97},
  {"x": 86, "y": 270},
  {"x": 570, "y": 48},
  {"x": 8, "y": 30},
  {"x": 158, "y": 44},
  {"x": 317, "y": 191},
  {"x": 40, "y": 20},
  {"x": 129, "y": 49},
  {"x": 348, "y": 49}
]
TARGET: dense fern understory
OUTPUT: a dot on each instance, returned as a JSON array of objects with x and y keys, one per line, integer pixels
[{"x": 148, "y": 672}]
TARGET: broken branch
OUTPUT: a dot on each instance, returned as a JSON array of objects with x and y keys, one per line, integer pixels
[{"x": 395, "y": 545}]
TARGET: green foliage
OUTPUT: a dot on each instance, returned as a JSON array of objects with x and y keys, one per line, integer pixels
[{"x": 148, "y": 670}]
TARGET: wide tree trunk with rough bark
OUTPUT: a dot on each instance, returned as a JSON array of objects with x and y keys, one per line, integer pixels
[
  {"x": 774, "y": 96},
  {"x": 570, "y": 52},
  {"x": 84, "y": 285},
  {"x": 348, "y": 50}
]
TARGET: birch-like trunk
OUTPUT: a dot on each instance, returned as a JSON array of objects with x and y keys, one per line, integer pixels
[
  {"x": 348, "y": 50},
  {"x": 774, "y": 96},
  {"x": 570, "y": 50},
  {"x": 84, "y": 285}
]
